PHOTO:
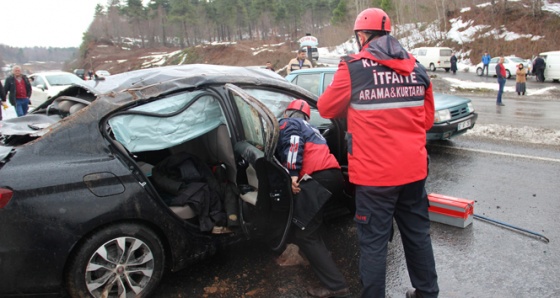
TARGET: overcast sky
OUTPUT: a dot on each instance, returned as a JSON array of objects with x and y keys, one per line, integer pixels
[{"x": 46, "y": 23}]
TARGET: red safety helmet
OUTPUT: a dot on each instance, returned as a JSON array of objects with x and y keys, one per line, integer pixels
[
  {"x": 373, "y": 19},
  {"x": 300, "y": 105}
]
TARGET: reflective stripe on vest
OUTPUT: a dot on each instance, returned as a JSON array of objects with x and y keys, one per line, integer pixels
[
  {"x": 378, "y": 87},
  {"x": 386, "y": 106}
]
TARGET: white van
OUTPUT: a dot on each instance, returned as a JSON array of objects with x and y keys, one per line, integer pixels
[
  {"x": 552, "y": 70},
  {"x": 433, "y": 58}
]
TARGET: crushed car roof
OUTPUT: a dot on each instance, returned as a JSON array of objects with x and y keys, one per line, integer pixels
[
  {"x": 152, "y": 82},
  {"x": 108, "y": 94}
]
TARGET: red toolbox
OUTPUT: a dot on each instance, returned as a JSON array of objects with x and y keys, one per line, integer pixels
[{"x": 449, "y": 210}]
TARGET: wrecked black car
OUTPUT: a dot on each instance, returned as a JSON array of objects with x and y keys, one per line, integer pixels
[{"x": 106, "y": 186}]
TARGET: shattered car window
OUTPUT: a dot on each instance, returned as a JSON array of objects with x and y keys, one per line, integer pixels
[{"x": 163, "y": 123}]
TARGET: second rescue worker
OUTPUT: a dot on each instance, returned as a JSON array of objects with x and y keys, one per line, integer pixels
[{"x": 387, "y": 157}]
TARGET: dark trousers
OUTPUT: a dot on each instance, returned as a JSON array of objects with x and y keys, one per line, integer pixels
[
  {"x": 501, "y": 84},
  {"x": 310, "y": 241},
  {"x": 375, "y": 209},
  {"x": 540, "y": 75},
  {"x": 485, "y": 68}
]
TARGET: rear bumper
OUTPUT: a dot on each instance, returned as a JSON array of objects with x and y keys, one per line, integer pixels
[{"x": 449, "y": 129}]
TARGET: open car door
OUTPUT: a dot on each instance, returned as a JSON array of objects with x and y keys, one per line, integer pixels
[{"x": 266, "y": 204}]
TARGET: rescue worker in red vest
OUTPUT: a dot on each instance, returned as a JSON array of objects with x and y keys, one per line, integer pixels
[
  {"x": 302, "y": 150},
  {"x": 388, "y": 101}
]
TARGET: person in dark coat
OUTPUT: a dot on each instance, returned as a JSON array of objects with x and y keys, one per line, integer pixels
[
  {"x": 538, "y": 66},
  {"x": 3, "y": 99},
  {"x": 19, "y": 88},
  {"x": 302, "y": 150},
  {"x": 453, "y": 61}
]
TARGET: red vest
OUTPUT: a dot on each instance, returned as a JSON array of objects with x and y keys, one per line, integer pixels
[{"x": 20, "y": 89}]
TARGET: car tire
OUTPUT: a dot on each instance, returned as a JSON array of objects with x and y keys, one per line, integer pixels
[
  {"x": 479, "y": 71},
  {"x": 508, "y": 74},
  {"x": 447, "y": 69},
  {"x": 107, "y": 263},
  {"x": 432, "y": 67}
]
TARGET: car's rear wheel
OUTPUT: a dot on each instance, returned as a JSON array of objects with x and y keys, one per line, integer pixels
[
  {"x": 479, "y": 71},
  {"x": 432, "y": 67},
  {"x": 125, "y": 260},
  {"x": 508, "y": 74}
]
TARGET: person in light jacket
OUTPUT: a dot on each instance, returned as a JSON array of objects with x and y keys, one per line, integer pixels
[
  {"x": 300, "y": 62},
  {"x": 485, "y": 62},
  {"x": 520, "y": 79}
]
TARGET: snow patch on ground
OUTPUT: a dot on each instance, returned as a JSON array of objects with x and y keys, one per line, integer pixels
[{"x": 525, "y": 134}]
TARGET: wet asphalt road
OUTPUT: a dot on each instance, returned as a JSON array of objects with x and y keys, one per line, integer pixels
[
  {"x": 510, "y": 181},
  {"x": 482, "y": 260}
]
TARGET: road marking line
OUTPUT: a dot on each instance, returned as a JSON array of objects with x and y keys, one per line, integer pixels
[{"x": 501, "y": 153}]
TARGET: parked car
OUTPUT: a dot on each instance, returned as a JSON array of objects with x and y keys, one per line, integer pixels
[
  {"x": 108, "y": 184},
  {"x": 102, "y": 73},
  {"x": 45, "y": 85},
  {"x": 80, "y": 72},
  {"x": 510, "y": 64},
  {"x": 433, "y": 58},
  {"x": 454, "y": 115}
]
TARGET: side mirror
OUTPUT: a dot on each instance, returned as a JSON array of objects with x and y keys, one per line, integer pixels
[{"x": 42, "y": 87}]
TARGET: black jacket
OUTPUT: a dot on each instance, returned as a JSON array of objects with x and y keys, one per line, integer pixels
[
  {"x": 10, "y": 86},
  {"x": 539, "y": 64},
  {"x": 2, "y": 94}
]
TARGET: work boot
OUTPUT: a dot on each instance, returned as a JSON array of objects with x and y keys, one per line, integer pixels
[{"x": 321, "y": 292}]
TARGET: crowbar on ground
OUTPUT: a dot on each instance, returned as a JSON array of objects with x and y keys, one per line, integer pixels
[{"x": 540, "y": 236}]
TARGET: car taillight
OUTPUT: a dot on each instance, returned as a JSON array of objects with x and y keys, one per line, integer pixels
[{"x": 5, "y": 197}]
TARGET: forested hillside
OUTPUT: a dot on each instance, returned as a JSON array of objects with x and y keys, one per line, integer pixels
[
  {"x": 186, "y": 23},
  {"x": 128, "y": 29},
  {"x": 182, "y": 24}
]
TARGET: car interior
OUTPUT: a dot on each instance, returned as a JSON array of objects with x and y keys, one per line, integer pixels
[{"x": 194, "y": 124}]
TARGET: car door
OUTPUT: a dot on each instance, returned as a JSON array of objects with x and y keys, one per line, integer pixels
[
  {"x": 492, "y": 66},
  {"x": 267, "y": 203}
]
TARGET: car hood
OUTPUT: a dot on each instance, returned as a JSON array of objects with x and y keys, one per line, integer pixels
[
  {"x": 446, "y": 101},
  {"x": 38, "y": 122}
]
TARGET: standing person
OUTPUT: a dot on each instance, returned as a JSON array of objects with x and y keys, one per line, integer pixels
[
  {"x": 90, "y": 74},
  {"x": 388, "y": 101},
  {"x": 269, "y": 66},
  {"x": 485, "y": 62},
  {"x": 303, "y": 150},
  {"x": 539, "y": 66},
  {"x": 19, "y": 88},
  {"x": 520, "y": 79},
  {"x": 501, "y": 73},
  {"x": 3, "y": 99},
  {"x": 299, "y": 62},
  {"x": 453, "y": 61}
]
